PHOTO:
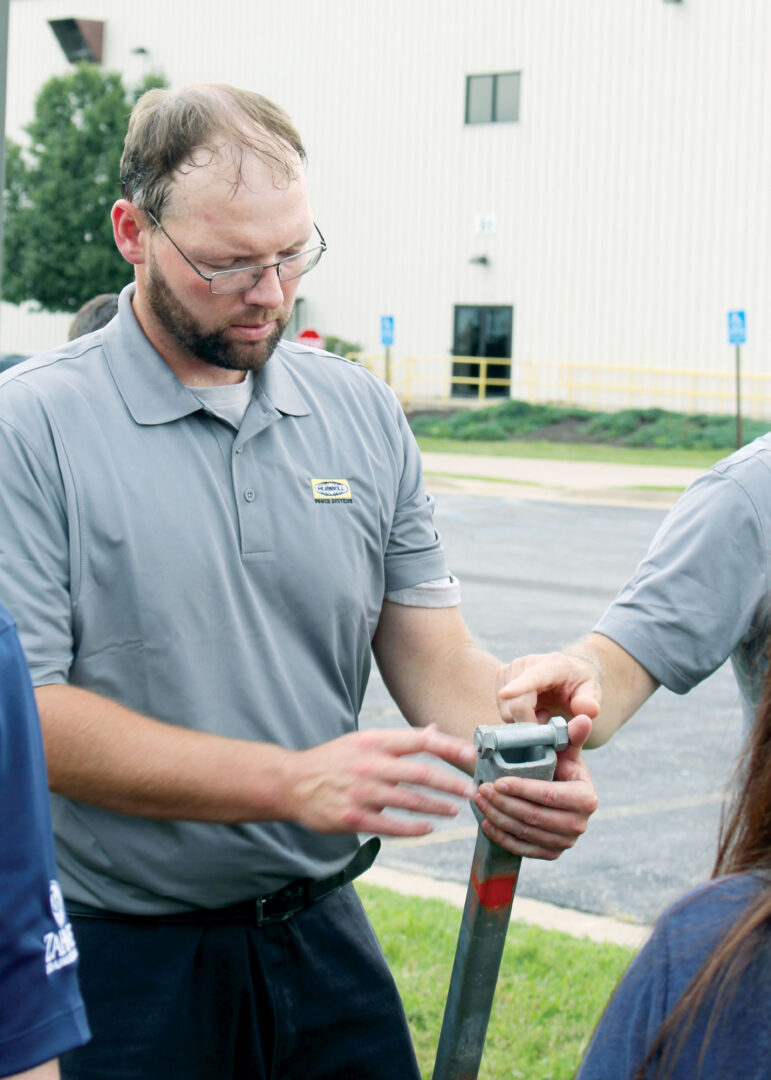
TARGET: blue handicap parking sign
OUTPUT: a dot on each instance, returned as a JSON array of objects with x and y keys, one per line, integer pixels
[
  {"x": 386, "y": 329},
  {"x": 737, "y": 327}
]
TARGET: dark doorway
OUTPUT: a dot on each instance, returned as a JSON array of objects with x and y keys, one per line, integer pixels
[{"x": 482, "y": 331}]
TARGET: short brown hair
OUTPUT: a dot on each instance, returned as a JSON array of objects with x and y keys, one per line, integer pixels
[
  {"x": 94, "y": 314},
  {"x": 168, "y": 127}
]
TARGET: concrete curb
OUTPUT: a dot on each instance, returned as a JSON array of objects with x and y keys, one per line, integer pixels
[
  {"x": 598, "y": 483},
  {"x": 599, "y": 928}
]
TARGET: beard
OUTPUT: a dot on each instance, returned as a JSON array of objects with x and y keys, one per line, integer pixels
[{"x": 210, "y": 345}]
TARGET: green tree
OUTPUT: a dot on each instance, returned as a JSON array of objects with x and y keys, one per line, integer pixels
[{"x": 58, "y": 247}]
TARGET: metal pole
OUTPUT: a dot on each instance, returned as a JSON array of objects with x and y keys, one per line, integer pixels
[
  {"x": 388, "y": 365},
  {"x": 508, "y": 750},
  {"x": 739, "y": 439},
  {"x": 4, "y": 19}
]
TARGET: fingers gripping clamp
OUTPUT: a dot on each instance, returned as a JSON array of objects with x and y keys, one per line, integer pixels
[{"x": 518, "y": 750}]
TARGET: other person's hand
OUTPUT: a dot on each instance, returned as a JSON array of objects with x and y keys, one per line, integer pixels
[
  {"x": 542, "y": 818},
  {"x": 535, "y": 688}
]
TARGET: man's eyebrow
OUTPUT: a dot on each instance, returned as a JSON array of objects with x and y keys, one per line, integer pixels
[{"x": 296, "y": 247}]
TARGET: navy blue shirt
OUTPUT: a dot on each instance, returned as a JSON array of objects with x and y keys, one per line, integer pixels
[
  {"x": 684, "y": 937},
  {"x": 41, "y": 1011}
]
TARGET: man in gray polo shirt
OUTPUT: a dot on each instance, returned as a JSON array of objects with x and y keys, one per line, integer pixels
[
  {"x": 196, "y": 544},
  {"x": 700, "y": 596}
]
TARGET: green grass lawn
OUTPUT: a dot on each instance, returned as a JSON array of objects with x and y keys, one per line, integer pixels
[
  {"x": 551, "y": 990},
  {"x": 540, "y": 448}
]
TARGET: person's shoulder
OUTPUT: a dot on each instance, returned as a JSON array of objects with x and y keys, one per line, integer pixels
[
  {"x": 46, "y": 381},
  {"x": 36, "y": 370},
  {"x": 342, "y": 380},
  {"x": 318, "y": 363},
  {"x": 711, "y": 908},
  {"x": 737, "y": 485},
  {"x": 752, "y": 460}
]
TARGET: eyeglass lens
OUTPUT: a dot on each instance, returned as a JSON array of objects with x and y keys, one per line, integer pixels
[{"x": 233, "y": 281}]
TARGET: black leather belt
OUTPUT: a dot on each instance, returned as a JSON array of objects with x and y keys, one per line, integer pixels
[{"x": 271, "y": 908}]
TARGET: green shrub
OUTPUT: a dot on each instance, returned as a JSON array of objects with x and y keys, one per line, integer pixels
[{"x": 628, "y": 427}]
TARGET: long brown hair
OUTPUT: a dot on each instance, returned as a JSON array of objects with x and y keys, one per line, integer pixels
[{"x": 744, "y": 846}]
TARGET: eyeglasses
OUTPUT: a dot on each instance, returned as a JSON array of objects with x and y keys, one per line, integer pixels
[{"x": 243, "y": 278}]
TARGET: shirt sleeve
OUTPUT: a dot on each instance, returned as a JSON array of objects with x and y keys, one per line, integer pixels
[
  {"x": 41, "y": 1011},
  {"x": 35, "y": 542},
  {"x": 414, "y": 551},
  {"x": 443, "y": 592},
  {"x": 701, "y": 589}
]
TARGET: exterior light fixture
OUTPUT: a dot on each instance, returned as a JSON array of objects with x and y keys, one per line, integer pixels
[{"x": 80, "y": 39}]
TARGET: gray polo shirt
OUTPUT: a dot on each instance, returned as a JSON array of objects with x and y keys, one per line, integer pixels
[
  {"x": 223, "y": 580},
  {"x": 702, "y": 592}
]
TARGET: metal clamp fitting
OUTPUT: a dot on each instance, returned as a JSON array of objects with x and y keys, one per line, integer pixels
[{"x": 503, "y": 737}]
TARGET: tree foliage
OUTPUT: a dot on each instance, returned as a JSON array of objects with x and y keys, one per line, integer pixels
[{"x": 58, "y": 246}]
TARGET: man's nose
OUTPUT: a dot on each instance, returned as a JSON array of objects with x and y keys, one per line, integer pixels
[{"x": 267, "y": 292}]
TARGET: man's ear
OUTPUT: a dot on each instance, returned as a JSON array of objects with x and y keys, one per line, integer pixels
[{"x": 130, "y": 230}]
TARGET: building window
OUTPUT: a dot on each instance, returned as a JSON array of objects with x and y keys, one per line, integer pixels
[{"x": 492, "y": 99}]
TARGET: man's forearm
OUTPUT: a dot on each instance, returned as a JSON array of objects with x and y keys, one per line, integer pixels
[
  {"x": 433, "y": 669},
  {"x": 625, "y": 684},
  {"x": 100, "y": 752}
]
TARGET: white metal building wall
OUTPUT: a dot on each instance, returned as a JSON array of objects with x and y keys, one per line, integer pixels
[{"x": 631, "y": 200}]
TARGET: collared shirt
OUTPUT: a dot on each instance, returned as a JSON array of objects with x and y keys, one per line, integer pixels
[
  {"x": 226, "y": 581},
  {"x": 701, "y": 594}
]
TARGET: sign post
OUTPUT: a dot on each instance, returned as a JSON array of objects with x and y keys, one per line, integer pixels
[
  {"x": 387, "y": 340},
  {"x": 737, "y": 336}
]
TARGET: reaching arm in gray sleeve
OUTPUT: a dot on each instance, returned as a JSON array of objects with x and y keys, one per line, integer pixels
[{"x": 701, "y": 593}]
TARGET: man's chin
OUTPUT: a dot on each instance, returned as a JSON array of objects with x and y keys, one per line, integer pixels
[{"x": 242, "y": 355}]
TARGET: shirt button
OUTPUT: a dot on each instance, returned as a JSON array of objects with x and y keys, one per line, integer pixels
[
  {"x": 239, "y": 449},
  {"x": 249, "y": 495}
]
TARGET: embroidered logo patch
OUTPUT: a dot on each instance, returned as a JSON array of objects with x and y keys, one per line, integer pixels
[
  {"x": 60, "y": 947},
  {"x": 331, "y": 490}
]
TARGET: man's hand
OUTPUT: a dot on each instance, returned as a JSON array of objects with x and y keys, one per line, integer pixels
[
  {"x": 541, "y": 818},
  {"x": 537, "y": 687},
  {"x": 595, "y": 677},
  {"x": 345, "y": 785}
]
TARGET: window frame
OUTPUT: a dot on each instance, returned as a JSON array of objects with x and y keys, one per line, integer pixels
[{"x": 495, "y": 76}]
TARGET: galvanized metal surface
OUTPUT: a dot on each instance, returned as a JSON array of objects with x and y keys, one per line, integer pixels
[{"x": 512, "y": 750}]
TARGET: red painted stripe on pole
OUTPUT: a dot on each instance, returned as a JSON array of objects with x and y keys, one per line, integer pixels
[{"x": 495, "y": 892}]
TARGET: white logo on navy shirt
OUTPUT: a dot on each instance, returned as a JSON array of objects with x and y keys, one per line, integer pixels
[
  {"x": 61, "y": 949},
  {"x": 56, "y": 901}
]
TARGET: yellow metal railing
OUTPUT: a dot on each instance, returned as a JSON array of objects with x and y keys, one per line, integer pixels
[
  {"x": 405, "y": 374},
  {"x": 687, "y": 389},
  {"x": 588, "y": 385}
]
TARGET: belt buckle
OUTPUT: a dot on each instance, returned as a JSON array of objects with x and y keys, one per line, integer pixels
[
  {"x": 265, "y": 918},
  {"x": 259, "y": 911}
]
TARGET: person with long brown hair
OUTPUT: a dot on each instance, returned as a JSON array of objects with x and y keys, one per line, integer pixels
[{"x": 696, "y": 1002}]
